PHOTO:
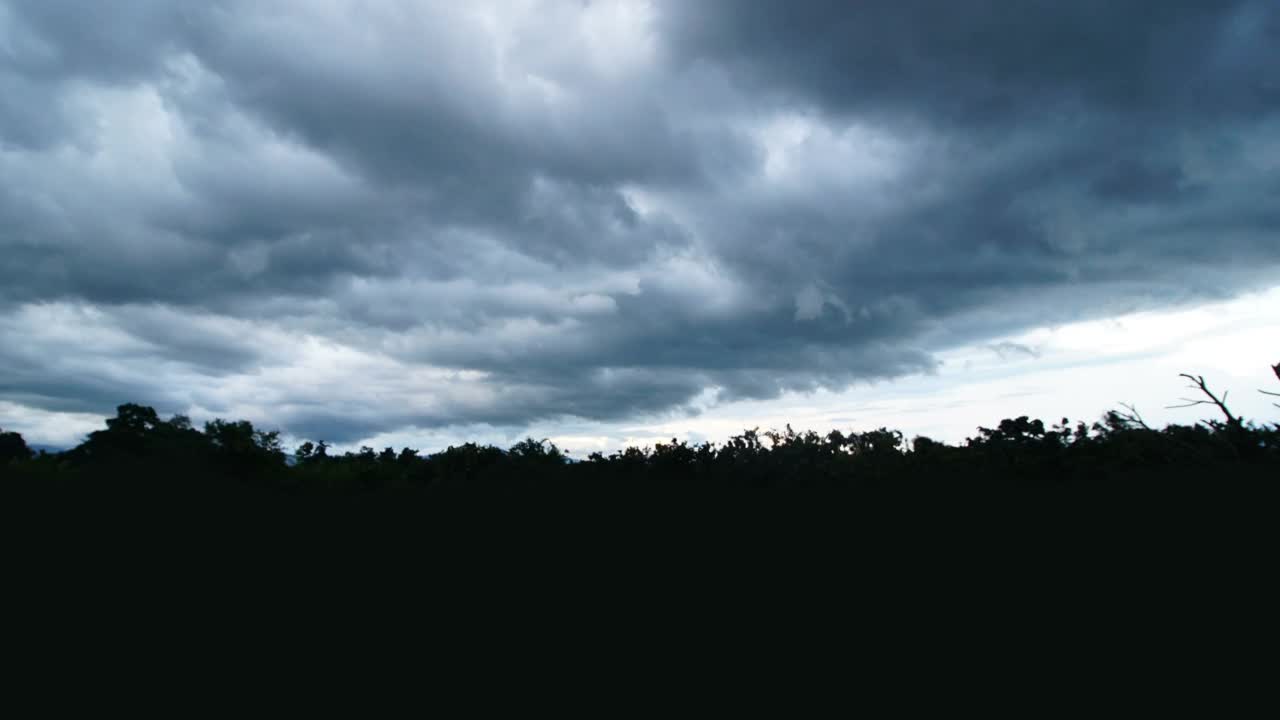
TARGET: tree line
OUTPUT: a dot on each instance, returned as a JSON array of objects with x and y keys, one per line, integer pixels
[{"x": 139, "y": 449}]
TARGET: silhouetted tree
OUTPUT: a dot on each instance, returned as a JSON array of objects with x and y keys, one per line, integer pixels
[
  {"x": 13, "y": 447},
  {"x": 239, "y": 447},
  {"x": 1198, "y": 383}
]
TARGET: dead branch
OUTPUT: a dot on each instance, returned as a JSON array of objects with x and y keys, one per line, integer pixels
[
  {"x": 1198, "y": 383},
  {"x": 1132, "y": 417},
  {"x": 1276, "y": 369}
]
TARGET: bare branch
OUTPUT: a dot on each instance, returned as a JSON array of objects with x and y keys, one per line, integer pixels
[
  {"x": 1198, "y": 383},
  {"x": 1133, "y": 417},
  {"x": 1276, "y": 369}
]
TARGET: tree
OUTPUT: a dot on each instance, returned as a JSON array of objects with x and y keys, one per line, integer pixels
[
  {"x": 13, "y": 447},
  {"x": 538, "y": 451},
  {"x": 305, "y": 452},
  {"x": 128, "y": 434},
  {"x": 1198, "y": 383},
  {"x": 1022, "y": 430},
  {"x": 241, "y": 445},
  {"x": 134, "y": 419}
]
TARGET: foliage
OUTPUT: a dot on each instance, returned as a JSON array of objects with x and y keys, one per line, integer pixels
[
  {"x": 138, "y": 448},
  {"x": 12, "y": 447}
]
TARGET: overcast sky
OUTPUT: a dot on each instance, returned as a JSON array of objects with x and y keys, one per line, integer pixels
[{"x": 610, "y": 221}]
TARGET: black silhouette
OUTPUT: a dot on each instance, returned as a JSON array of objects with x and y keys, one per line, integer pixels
[
  {"x": 139, "y": 450},
  {"x": 1276, "y": 369}
]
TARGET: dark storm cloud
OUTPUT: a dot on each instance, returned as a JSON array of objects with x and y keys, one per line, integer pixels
[
  {"x": 603, "y": 209},
  {"x": 985, "y": 63},
  {"x": 1067, "y": 138}
]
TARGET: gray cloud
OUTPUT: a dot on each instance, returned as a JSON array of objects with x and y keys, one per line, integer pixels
[{"x": 344, "y": 219}]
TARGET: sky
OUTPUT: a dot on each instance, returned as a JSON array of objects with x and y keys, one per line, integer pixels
[{"x": 611, "y": 222}]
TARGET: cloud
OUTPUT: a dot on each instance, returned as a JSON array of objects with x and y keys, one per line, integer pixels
[{"x": 344, "y": 219}]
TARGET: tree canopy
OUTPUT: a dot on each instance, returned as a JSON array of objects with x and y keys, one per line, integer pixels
[{"x": 139, "y": 448}]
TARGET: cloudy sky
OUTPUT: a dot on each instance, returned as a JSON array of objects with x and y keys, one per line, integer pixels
[{"x": 608, "y": 221}]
